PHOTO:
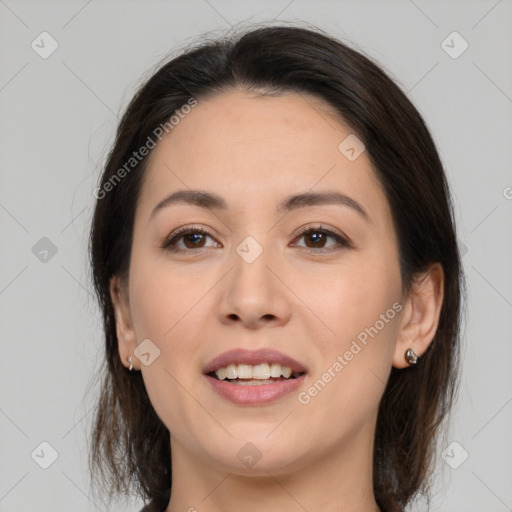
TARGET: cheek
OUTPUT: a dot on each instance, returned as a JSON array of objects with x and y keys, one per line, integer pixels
[
  {"x": 162, "y": 296},
  {"x": 167, "y": 309},
  {"x": 354, "y": 363},
  {"x": 361, "y": 306},
  {"x": 354, "y": 298}
]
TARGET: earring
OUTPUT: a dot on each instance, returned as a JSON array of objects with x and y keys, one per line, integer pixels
[
  {"x": 131, "y": 363},
  {"x": 410, "y": 356}
]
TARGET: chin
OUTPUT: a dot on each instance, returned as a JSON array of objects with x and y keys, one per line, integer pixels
[{"x": 256, "y": 455}]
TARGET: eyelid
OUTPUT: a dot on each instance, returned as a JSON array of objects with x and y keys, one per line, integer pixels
[{"x": 319, "y": 227}]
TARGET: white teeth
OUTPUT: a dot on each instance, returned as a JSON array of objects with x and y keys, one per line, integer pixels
[
  {"x": 231, "y": 371},
  {"x": 286, "y": 371},
  {"x": 275, "y": 370},
  {"x": 221, "y": 373},
  {"x": 261, "y": 371},
  {"x": 244, "y": 371}
]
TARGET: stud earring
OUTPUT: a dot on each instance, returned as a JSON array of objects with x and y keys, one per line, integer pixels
[
  {"x": 410, "y": 356},
  {"x": 131, "y": 363}
]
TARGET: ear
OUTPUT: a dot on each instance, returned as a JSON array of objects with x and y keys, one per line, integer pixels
[
  {"x": 421, "y": 315},
  {"x": 127, "y": 340}
]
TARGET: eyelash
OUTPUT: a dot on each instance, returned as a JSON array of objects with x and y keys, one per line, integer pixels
[{"x": 169, "y": 242}]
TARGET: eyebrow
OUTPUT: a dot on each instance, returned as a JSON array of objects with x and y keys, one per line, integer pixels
[{"x": 212, "y": 201}]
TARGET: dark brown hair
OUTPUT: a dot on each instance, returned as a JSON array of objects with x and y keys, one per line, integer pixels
[{"x": 130, "y": 444}]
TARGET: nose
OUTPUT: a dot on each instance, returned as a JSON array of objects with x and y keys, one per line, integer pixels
[{"x": 254, "y": 294}]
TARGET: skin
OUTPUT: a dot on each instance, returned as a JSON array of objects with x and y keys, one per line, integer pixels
[{"x": 254, "y": 151}]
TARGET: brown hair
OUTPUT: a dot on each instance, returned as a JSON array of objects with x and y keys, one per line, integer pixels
[{"x": 130, "y": 444}]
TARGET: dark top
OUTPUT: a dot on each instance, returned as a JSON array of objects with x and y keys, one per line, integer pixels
[{"x": 152, "y": 506}]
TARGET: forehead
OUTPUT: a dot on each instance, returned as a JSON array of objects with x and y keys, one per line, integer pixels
[{"x": 248, "y": 147}]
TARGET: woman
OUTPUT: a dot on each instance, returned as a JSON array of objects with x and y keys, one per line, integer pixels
[{"x": 274, "y": 251}]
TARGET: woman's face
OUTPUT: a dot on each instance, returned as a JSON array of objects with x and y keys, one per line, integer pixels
[{"x": 255, "y": 282}]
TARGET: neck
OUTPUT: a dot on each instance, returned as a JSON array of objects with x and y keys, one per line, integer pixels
[{"x": 338, "y": 480}]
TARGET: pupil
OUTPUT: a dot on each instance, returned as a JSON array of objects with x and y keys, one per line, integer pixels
[
  {"x": 198, "y": 235},
  {"x": 317, "y": 237}
]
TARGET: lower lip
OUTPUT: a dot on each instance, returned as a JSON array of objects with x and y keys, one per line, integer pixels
[{"x": 255, "y": 394}]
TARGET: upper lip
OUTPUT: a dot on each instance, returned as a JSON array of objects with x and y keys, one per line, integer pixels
[{"x": 253, "y": 357}]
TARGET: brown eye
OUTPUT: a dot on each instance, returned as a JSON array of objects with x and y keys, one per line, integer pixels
[
  {"x": 192, "y": 239},
  {"x": 316, "y": 238}
]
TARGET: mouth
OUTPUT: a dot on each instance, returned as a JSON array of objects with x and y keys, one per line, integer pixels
[
  {"x": 262, "y": 364},
  {"x": 254, "y": 377}
]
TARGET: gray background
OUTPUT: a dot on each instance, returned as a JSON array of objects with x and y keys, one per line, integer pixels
[{"x": 57, "y": 119}]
